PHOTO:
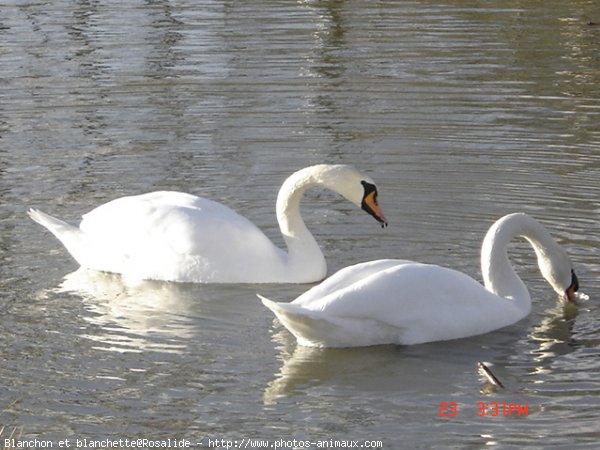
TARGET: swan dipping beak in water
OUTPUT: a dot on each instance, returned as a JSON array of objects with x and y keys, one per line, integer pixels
[{"x": 392, "y": 301}]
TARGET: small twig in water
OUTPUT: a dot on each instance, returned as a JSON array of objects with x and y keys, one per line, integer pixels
[{"x": 489, "y": 375}]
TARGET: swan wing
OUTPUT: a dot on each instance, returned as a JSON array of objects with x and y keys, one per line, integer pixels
[
  {"x": 344, "y": 278},
  {"x": 424, "y": 302},
  {"x": 407, "y": 303},
  {"x": 313, "y": 329},
  {"x": 178, "y": 237},
  {"x": 188, "y": 223}
]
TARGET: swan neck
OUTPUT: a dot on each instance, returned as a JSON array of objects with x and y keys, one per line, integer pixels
[
  {"x": 498, "y": 273},
  {"x": 302, "y": 247}
]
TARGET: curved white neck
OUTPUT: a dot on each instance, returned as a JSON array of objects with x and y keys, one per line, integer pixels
[
  {"x": 302, "y": 247},
  {"x": 498, "y": 273}
]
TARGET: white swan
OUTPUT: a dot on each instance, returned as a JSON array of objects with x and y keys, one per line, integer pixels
[
  {"x": 180, "y": 237},
  {"x": 404, "y": 302}
]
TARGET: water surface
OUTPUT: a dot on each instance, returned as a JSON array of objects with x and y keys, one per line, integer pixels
[{"x": 460, "y": 111}]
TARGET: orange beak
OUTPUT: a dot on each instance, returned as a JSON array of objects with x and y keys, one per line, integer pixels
[{"x": 370, "y": 205}]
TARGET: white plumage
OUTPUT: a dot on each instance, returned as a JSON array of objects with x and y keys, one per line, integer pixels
[
  {"x": 404, "y": 302},
  {"x": 180, "y": 237}
]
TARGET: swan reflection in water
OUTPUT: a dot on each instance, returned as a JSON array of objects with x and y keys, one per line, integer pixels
[
  {"x": 306, "y": 367},
  {"x": 430, "y": 367},
  {"x": 132, "y": 317},
  {"x": 381, "y": 369},
  {"x": 554, "y": 335}
]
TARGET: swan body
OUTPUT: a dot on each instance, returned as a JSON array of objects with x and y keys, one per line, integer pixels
[
  {"x": 403, "y": 302},
  {"x": 175, "y": 236}
]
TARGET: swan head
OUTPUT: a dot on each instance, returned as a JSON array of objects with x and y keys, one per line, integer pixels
[
  {"x": 346, "y": 181},
  {"x": 340, "y": 178},
  {"x": 357, "y": 188},
  {"x": 558, "y": 271}
]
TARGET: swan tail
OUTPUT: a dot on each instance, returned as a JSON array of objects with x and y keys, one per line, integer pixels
[
  {"x": 70, "y": 236},
  {"x": 309, "y": 329}
]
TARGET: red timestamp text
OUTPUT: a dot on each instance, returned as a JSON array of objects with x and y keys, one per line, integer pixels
[{"x": 486, "y": 409}]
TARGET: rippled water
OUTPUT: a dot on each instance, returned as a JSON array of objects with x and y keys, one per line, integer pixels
[{"x": 461, "y": 111}]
